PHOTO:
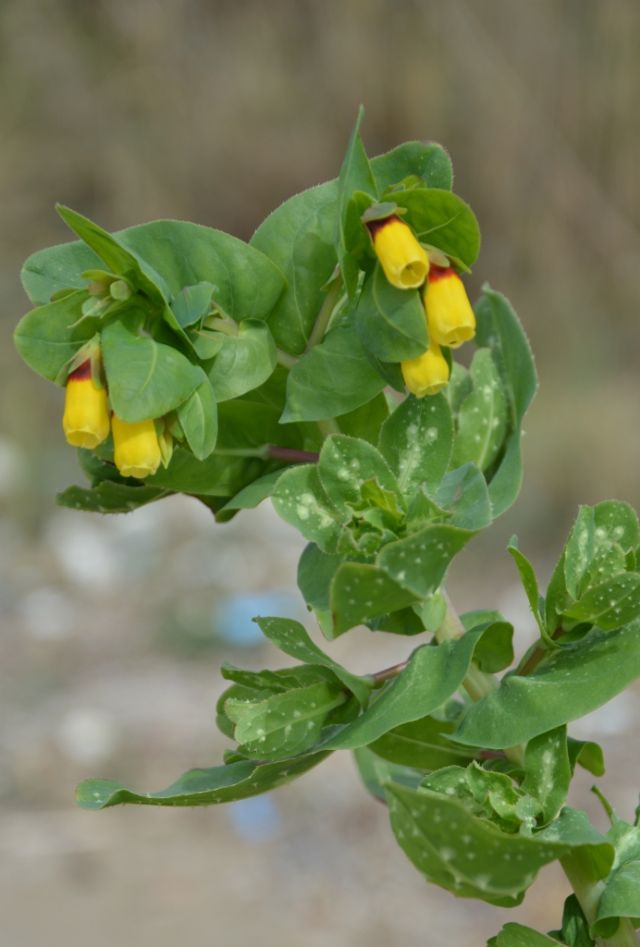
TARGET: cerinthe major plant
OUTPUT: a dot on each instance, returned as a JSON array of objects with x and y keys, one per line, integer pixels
[{"x": 195, "y": 363}]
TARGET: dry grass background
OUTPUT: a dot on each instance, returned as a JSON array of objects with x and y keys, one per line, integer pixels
[{"x": 215, "y": 111}]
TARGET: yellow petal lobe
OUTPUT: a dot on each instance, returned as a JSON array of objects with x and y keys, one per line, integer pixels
[
  {"x": 404, "y": 261},
  {"x": 427, "y": 374},
  {"x": 136, "y": 450}
]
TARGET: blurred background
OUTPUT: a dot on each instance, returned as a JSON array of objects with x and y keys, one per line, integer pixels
[{"x": 112, "y": 629}]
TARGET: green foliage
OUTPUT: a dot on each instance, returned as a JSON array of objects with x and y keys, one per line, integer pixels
[{"x": 275, "y": 369}]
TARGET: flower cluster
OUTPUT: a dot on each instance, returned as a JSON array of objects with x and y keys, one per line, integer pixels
[
  {"x": 450, "y": 318},
  {"x": 87, "y": 420}
]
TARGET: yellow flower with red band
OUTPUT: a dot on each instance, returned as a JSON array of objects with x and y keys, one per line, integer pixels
[
  {"x": 136, "y": 448},
  {"x": 85, "y": 421},
  {"x": 450, "y": 318},
  {"x": 404, "y": 261}
]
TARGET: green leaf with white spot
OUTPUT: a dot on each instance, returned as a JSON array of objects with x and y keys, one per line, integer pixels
[
  {"x": 499, "y": 329},
  {"x": 416, "y": 441},
  {"x": 109, "y": 496},
  {"x": 419, "y": 562},
  {"x": 468, "y": 855},
  {"x": 610, "y": 605},
  {"x": 346, "y": 464},
  {"x": 244, "y": 362},
  {"x": 568, "y": 684},
  {"x": 292, "y": 638},
  {"x": 282, "y": 725},
  {"x": 548, "y": 771},
  {"x": 391, "y": 322},
  {"x": 482, "y": 417},
  {"x": 360, "y": 593},
  {"x": 201, "y": 787},
  {"x": 299, "y": 498},
  {"x": 146, "y": 379}
]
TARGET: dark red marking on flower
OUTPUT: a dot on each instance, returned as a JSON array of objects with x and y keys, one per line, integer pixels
[
  {"x": 81, "y": 372},
  {"x": 375, "y": 226},
  {"x": 440, "y": 272}
]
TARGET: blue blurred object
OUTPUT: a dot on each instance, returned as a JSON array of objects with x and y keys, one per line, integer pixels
[
  {"x": 233, "y": 617},
  {"x": 256, "y": 819}
]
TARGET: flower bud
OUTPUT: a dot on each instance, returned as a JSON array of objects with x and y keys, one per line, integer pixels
[
  {"x": 136, "y": 450},
  {"x": 404, "y": 261},
  {"x": 449, "y": 314},
  {"x": 428, "y": 373},
  {"x": 85, "y": 421}
]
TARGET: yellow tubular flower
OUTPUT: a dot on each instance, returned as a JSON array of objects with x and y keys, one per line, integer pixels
[
  {"x": 449, "y": 314},
  {"x": 136, "y": 450},
  {"x": 404, "y": 261},
  {"x": 85, "y": 421},
  {"x": 427, "y": 374}
]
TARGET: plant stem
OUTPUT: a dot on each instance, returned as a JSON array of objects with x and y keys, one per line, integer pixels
[
  {"x": 324, "y": 315},
  {"x": 284, "y": 359},
  {"x": 291, "y": 454},
  {"x": 328, "y": 427}
]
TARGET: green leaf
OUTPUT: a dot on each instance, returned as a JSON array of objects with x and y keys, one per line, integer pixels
[
  {"x": 548, "y": 771},
  {"x": 568, "y": 684},
  {"x": 610, "y": 605},
  {"x": 245, "y": 361},
  {"x": 147, "y": 379},
  {"x": 500, "y": 330},
  {"x": 431, "y": 677},
  {"x": 419, "y": 563},
  {"x": 299, "y": 237},
  {"x": 427, "y": 160},
  {"x": 482, "y": 417},
  {"x": 391, "y": 322},
  {"x": 416, "y": 441},
  {"x": 300, "y": 500},
  {"x": 201, "y": 787},
  {"x": 471, "y": 857},
  {"x": 376, "y": 772},
  {"x": 362, "y": 593},
  {"x": 285, "y": 724},
  {"x": 366, "y": 421},
  {"x": 115, "y": 256},
  {"x": 530, "y": 584},
  {"x": 345, "y": 466},
  {"x": 48, "y": 337},
  {"x": 621, "y": 895},
  {"x": 293, "y": 639},
  {"x": 193, "y": 303},
  {"x": 443, "y": 220},
  {"x": 422, "y": 744},
  {"x": 494, "y": 651},
  {"x": 198, "y": 417},
  {"x": 516, "y": 935},
  {"x": 333, "y": 378},
  {"x": 575, "y": 927},
  {"x": 464, "y": 494},
  {"x": 109, "y": 496},
  {"x": 355, "y": 175},
  {"x": 251, "y": 496},
  {"x": 586, "y": 753}
]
